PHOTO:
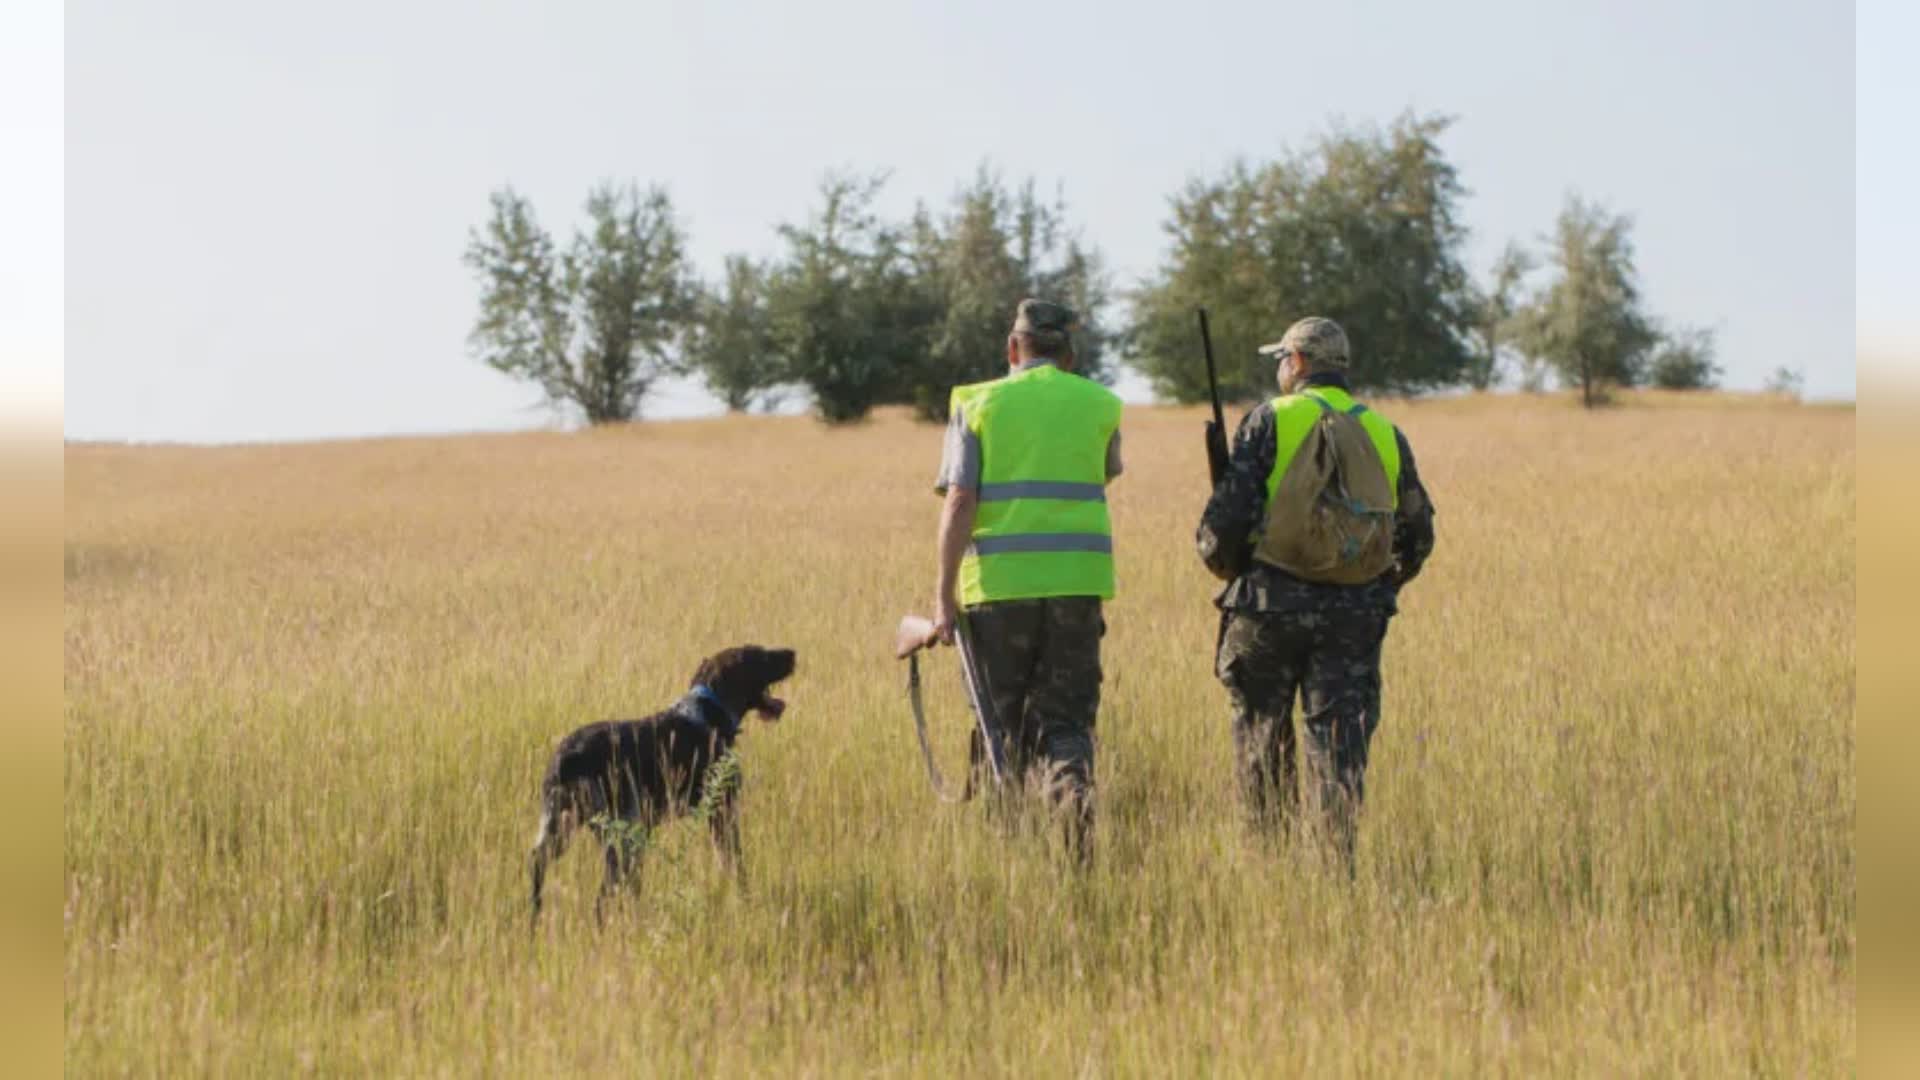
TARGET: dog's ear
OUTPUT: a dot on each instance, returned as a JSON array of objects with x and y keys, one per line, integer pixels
[
  {"x": 726, "y": 662},
  {"x": 704, "y": 673}
]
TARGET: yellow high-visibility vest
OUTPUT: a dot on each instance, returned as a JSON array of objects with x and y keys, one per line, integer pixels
[
  {"x": 1042, "y": 527},
  {"x": 1294, "y": 415}
]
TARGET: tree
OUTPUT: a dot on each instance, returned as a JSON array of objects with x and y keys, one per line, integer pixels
[
  {"x": 1215, "y": 264},
  {"x": 1493, "y": 311},
  {"x": 845, "y": 308},
  {"x": 732, "y": 343},
  {"x": 1362, "y": 228},
  {"x": 1683, "y": 360},
  {"x": 597, "y": 326},
  {"x": 1587, "y": 324},
  {"x": 993, "y": 248},
  {"x": 1786, "y": 380}
]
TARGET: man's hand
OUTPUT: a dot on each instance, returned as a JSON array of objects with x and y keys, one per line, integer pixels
[{"x": 946, "y": 614}]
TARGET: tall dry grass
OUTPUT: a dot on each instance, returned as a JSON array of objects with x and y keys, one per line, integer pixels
[{"x": 309, "y": 690}]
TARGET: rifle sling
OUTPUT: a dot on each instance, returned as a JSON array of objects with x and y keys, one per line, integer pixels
[{"x": 934, "y": 778}]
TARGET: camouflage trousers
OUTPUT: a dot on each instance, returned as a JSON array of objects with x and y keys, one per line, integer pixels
[
  {"x": 1331, "y": 659},
  {"x": 1040, "y": 660}
]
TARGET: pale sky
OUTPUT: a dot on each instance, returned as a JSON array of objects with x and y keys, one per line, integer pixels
[
  {"x": 32, "y": 263},
  {"x": 1887, "y": 173},
  {"x": 265, "y": 205}
]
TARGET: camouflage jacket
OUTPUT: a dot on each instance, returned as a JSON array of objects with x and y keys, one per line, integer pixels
[{"x": 1238, "y": 507}]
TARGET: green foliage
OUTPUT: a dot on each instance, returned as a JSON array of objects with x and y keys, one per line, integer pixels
[
  {"x": 722, "y": 783},
  {"x": 1588, "y": 324},
  {"x": 731, "y": 343},
  {"x": 867, "y": 312},
  {"x": 1684, "y": 361},
  {"x": 1493, "y": 310},
  {"x": 1362, "y": 228},
  {"x": 596, "y": 326},
  {"x": 846, "y": 309},
  {"x": 992, "y": 248},
  {"x": 629, "y": 837},
  {"x": 1786, "y": 380},
  {"x": 524, "y": 327}
]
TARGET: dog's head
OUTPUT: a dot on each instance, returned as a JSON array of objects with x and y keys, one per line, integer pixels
[{"x": 742, "y": 677}]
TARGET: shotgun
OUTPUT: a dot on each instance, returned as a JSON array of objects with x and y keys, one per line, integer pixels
[{"x": 1217, "y": 427}]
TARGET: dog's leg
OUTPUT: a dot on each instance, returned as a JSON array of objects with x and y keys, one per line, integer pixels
[
  {"x": 548, "y": 844},
  {"x": 624, "y": 847},
  {"x": 723, "y": 825},
  {"x": 537, "y": 870}
]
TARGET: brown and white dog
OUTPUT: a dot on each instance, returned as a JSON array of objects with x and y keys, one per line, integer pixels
[{"x": 619, "y": 776}]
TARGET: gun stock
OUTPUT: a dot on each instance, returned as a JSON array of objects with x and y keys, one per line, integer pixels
[{"x": 914, "y": 633}]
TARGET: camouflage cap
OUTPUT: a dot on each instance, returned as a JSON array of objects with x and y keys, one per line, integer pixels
[
  {"x": 1320, "y": 340},
  {"x": 1044, "y": 319}
]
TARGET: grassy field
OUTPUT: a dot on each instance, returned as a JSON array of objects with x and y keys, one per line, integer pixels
[{"x": 310, "y": 689}]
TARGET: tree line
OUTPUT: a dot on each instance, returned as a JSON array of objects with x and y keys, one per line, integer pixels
[{"x": 856, "y": 310}]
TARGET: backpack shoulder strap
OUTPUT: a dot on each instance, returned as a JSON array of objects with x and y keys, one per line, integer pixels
[{"x": 1327, "y": 407}]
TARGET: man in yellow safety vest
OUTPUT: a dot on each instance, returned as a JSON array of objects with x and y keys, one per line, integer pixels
[{"x": 1026, "y": 555}]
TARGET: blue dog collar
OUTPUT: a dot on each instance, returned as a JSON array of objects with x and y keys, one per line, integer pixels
[{"x": 703, "y": 692}]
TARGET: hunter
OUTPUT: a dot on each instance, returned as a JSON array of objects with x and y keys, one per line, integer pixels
[
  {"x": 1026, "y": 556},
  {"x": 1316, "y": 525}
]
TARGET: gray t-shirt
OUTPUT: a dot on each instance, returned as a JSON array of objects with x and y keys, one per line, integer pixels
[{"x": 960, "y": 454}]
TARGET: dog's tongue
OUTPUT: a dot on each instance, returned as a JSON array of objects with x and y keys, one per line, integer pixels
[{"x": 771, "y": 707}]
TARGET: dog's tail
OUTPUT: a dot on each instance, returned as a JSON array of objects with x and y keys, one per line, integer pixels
[{"x": 558, "y": 819}]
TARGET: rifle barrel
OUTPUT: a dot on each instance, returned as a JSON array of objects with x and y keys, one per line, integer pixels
[{"x": 1213, "y": 379}]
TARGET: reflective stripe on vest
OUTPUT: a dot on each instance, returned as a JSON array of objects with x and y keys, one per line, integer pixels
[
  {"x": 1295, "y": 414},
  {"x": 1043, "y": 489},
  {"x": 1042, "y": 527},
  {"x": 1017, "y": 542}
]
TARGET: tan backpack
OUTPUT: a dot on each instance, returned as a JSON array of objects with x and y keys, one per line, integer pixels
[{"x": 1331, "y": 515}]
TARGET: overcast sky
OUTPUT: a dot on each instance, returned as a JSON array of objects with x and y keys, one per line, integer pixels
[{"x": 265, "y": 204}]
